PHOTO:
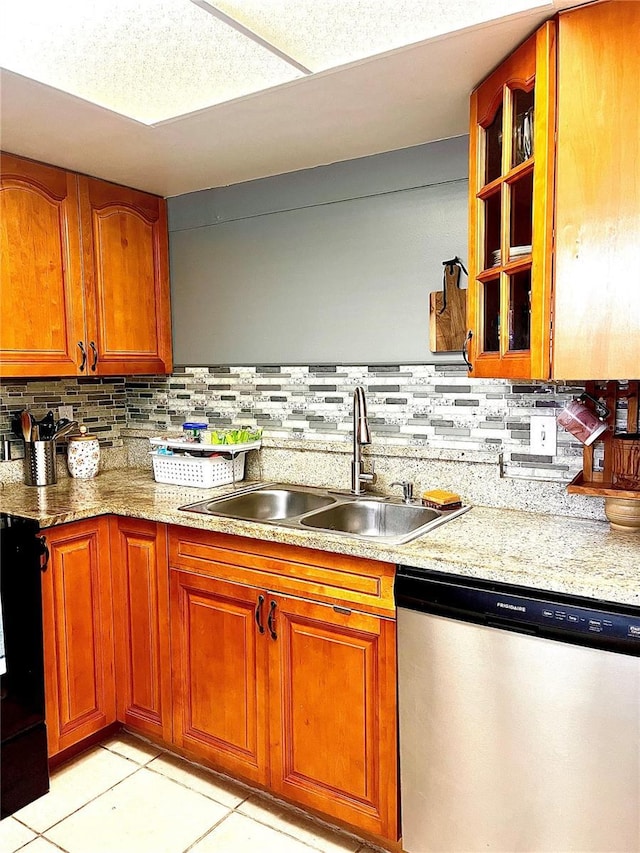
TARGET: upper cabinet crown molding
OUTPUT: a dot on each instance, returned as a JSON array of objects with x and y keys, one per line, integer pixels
[
  {"x": 84, "y": 278},
  {"x": 554, "y": 207}
]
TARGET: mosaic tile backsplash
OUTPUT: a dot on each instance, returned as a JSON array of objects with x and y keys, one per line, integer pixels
[
  {"x": 421, "y": 405},
  {"x": 99, "y": 403},
  {"x": 431, "y": 405}
]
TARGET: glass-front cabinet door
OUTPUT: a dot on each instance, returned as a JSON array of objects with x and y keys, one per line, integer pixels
[{"x": 511, "y": 214}]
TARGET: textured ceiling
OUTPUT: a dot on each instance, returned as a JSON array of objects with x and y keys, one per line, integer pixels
[{"x": 403, "y": 96}]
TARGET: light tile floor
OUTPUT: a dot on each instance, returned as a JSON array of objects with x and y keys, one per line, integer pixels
[{"x": 127, "y": 796}]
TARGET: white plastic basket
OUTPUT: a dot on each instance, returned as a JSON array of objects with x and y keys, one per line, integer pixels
[{"x": 203, "y": 472}]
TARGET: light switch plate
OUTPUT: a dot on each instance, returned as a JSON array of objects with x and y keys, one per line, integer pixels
[
  {"x": 65, "y": 412},
  {"x": 543, "y": 436}
]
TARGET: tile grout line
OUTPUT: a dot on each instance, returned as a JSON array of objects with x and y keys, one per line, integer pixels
[
  {"x": 261, "y": 823},
  {"x": 92, "y": 800},
  {"x": 37, "y": 835},
  {"x": 128, "y": 758},
  {"x": 235, "y": 809},
  {"x": 209, "y": 831},
  {"x": 53, "y": 843},
  {"x": 193, "y": 790},
  {"x": 293, "y": 812},
  {"x": 296, "y": 813},
  {"x": 230, "y": 810}
]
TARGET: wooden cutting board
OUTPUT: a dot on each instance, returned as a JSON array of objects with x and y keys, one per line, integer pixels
[{"x": 448, "y": 313}]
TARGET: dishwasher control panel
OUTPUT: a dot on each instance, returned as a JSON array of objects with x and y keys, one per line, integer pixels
[
  {"x": 571, "y": 618},
  {"x": 500, "y": 605}
]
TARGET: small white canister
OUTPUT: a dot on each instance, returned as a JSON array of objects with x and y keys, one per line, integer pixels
[{"x": 83, "y": 455}]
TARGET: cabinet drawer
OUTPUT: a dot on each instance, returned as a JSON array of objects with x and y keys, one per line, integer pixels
[{"x": 304, "y": 572}]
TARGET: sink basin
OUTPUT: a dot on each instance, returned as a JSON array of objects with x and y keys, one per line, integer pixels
[
  {"x": 269, "y": 504},
  {"x": 299, "y": 507},
  {"x": 372, "y": 518}
]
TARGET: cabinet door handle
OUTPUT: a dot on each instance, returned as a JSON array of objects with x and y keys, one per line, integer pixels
[
  {"x": 44, "y": 553},
  {"x": 465, "y": 351},
  {"x": 84, "y": 355},
  {"x": 258, "y": 614},
  {"x": 271, "y": 620},
  {"x": 94, "y": 363}
]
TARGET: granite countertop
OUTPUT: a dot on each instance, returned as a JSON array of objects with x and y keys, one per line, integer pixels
[{"x": 548, "y": 552}]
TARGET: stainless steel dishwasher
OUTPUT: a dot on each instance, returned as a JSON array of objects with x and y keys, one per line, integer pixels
[{"x": 519, "y": 719}]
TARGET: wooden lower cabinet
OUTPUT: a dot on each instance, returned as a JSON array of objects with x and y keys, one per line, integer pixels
[
  {"x": 219, "y": 674},
  {"x": 141, "y": 625},
  {"x": 78, "y": 640},
  {"x": 296, "y": 695},
  {"x": 332, "y": 712}
]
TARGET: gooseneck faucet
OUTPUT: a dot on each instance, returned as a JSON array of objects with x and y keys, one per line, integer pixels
[{"x": 361, "y": 436}]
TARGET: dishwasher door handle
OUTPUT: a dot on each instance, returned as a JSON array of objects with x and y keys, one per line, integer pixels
[{"x": 512, "y": 625}]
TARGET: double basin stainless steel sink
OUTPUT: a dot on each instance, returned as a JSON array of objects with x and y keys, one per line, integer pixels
[{"x": 362, "y": 517}]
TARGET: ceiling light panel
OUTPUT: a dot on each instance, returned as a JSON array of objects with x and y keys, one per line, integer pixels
[
  {"x": 324, "y": 34},
  {"x": 150, "y": 60}
]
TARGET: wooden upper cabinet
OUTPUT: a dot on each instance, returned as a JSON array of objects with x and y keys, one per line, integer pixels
[
  {"x": 554, "y": 209},
  {"x": 126, "y": 279},
  {"x": 41, "y": 304},
  {"x": 84, "y": 275},
  {"x": 597, "y": 257},
  {"x": 510, "y": 207}
]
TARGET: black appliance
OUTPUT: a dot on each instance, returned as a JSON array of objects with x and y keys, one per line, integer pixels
[{"x": 23, "y": 743}]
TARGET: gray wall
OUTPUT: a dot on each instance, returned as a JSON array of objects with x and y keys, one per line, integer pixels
[{"x": 332, "y": 264}]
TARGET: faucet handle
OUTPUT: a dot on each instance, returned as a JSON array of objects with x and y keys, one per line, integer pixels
[
  {"x": 369, "y": 476},
  {"x": 407, "y": 490}
]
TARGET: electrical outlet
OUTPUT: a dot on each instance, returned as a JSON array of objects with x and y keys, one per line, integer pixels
[
  {"x": 65, "y": 412},
  {"x": 543, "y": 436}
]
